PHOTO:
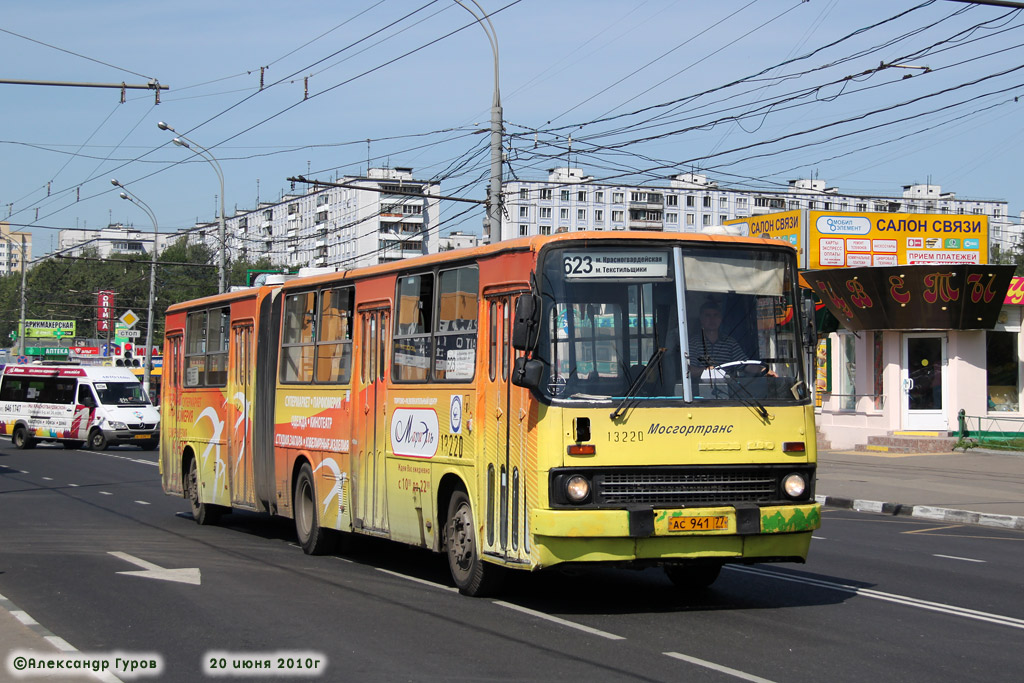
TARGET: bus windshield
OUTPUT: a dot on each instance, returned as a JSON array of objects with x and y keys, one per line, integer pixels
[
  {"x": 640, "y": 322},
  {"x": 121, "y": 394}
]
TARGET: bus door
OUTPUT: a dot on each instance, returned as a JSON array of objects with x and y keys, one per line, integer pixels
[
  {"x": 170, "y": 430},
  {"x": 368, "y": 469},
  {"x": 506, "y": 419},
  {"x": 239, "y": 420}
]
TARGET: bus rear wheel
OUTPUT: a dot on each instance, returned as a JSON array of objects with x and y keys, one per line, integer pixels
[
  {"x": 21, "y": 439},
  {"x": 203, "y": 513},
  {"x": 471, "y": 574},
  {"x": 693, "y": 576},
  {"x": 314, "y": 539}
]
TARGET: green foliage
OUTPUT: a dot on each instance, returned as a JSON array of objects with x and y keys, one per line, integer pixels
[{"x": 66, "y": 288}]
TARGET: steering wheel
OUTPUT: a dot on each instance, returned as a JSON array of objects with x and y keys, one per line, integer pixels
[{"x": 745, "y": 368}]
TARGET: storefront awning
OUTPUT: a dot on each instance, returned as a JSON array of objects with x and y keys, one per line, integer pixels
[{"x": 955, "y": 297}]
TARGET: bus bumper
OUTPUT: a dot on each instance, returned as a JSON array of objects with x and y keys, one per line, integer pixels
[{"x": 774, "y": 533}]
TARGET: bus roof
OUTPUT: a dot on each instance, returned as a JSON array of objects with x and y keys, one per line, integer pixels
[{"x": 532, "y": 244}]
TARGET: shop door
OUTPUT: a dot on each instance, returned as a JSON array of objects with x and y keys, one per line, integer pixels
[
  {"x": 505, "y": 440},
  {"x": 369, "y": 471},
  {"x": 923, "y": 384}
]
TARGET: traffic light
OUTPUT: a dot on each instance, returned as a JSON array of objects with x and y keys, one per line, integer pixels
[{"x": 125, "y": 357}]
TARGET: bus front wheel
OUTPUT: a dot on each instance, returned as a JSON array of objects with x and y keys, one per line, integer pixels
[
  {"x": 203, "y": 513},
  {"x": 21, "y": 439},
  {"x": 314, "y": 539},
  {"x": 693, "y": 576},
  {"x": 472, "y": 575}
]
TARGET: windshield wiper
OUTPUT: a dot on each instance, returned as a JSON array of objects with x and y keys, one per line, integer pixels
[{"x": 656, "y": 357}]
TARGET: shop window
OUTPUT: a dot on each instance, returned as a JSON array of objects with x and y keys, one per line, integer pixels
[
  {"x": 1002, "y": 370},
  {"x": 877, "y": 367}
]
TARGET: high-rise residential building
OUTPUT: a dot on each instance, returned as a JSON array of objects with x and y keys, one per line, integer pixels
[
  {"x": 384, "y": 216},
  {"x": 569, "y": 201},
  {"x": 11, "y": 255},
  {"x": 114, "y": 240}
]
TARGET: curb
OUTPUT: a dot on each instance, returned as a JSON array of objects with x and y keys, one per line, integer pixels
[{"x": 937, "y": 514}]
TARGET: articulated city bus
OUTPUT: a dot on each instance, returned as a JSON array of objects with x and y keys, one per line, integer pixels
[{"x": 527, "y": 404}]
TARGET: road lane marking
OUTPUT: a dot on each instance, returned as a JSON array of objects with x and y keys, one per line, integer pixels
[
  {"x": 149, "y": 570},
  {"x": 718, "y": 667},
  {"x": 954, "y": 557},
  {"x": 48, "y": 636},
  {"x": 47, "y": 478},
  {"x": 73, "y": 485},
  {"x": 417, "y": 580},
  {"x": 106, "y": 493},
  {"x": 558, "y": 620},
  {"x": 934, "y": 528},
  {"x": 999, "y": 619},
  {"x": 142, "y": 502},
  {"x": 819, "y": 538}
]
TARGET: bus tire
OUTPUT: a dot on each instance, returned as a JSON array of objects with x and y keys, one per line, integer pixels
[
  {"x": 97, "y": 441},
  {"x": 314, "y": 539},
  {"x": 471, "y": 574},
  {"x": 202, "y": 513},
  {"x": 693, "y": 576},
  {"x": 21, "y": 439}
]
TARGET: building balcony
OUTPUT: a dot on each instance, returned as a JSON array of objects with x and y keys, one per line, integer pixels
[{"x": 646, "y": 225}]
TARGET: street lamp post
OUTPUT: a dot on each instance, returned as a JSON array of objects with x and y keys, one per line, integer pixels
[
  {"x": 21, "y": 331},
  {"x": 494, "y": 192},
  {"x": 207, "y": 156},
  {"x": 126, "y": 194}
]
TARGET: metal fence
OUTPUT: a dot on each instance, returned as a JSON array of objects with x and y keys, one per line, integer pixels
[{"x": 990, "y": 431}]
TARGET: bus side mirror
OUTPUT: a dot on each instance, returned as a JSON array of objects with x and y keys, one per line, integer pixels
[
  {"x": 527, "y": 373},
  {"x": 527, "y": 322}
]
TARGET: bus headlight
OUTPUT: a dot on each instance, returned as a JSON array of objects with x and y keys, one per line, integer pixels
[
  {"x": 116, "y": 425},
  {"x": 795, "y": 485},
  {"x": 577, "y": 488}
]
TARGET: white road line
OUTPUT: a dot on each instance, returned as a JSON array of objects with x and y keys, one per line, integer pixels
[
  {"x": 717, "y": 667},
  {"x": 48, "y": 636},
  {"x": 557, "y": 620},
  {"x": 73, "y": 485},
  {"x": 106, "y": 493},
  {"x": 142, "y": 502},
  {"x": 47, "y": 478},
  {"x": 818, "y": 538},
  {"x": 999, "y": 619},
  {"x": 417, "y": 580},
  {"x": 954, "y": 557}
]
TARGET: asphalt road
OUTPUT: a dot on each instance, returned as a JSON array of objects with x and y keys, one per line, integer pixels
[{"x": 881, "y": 598}]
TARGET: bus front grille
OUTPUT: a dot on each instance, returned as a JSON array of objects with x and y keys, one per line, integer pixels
[
  {"x": 680, "y": 486},
  {"x": 682, "y": 489}
]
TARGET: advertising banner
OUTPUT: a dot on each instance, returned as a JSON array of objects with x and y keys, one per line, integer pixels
[
  {"x": 853, "y": 240},
  {"x": 49, "y": 329},
  {"x": 965, "y": 297},
  {"x": 104, "y": 311},
  {"x": 783, "y": 226}
]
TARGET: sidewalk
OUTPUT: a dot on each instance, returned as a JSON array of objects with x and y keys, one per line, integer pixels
[{"x": 977, "y": 487}]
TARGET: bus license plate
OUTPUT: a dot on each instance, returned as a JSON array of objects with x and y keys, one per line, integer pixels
[
  {"x": 716, "y": 523},
  {"x": 143, "y": 436}
]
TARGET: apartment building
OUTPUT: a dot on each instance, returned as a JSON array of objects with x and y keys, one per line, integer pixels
[
  {"x": 11, "y": 248},
  {"x": 384, "y": 216},
  {"x": 112, "y": 241},
  {"x": 569, "y": 201}
]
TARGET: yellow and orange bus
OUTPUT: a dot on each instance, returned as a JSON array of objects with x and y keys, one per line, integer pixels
[{"x": 526, "y": 404}]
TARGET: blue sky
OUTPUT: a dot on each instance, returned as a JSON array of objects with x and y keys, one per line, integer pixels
[{"x": 645, "y": 89}]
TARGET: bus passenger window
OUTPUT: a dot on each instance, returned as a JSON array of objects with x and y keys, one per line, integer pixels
[
  {"x": 455, "y": 336},
  {"x": 297, "y": 337},
  {"x": 334, "y": 346},
  {"x": 411, "y": 349}
]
